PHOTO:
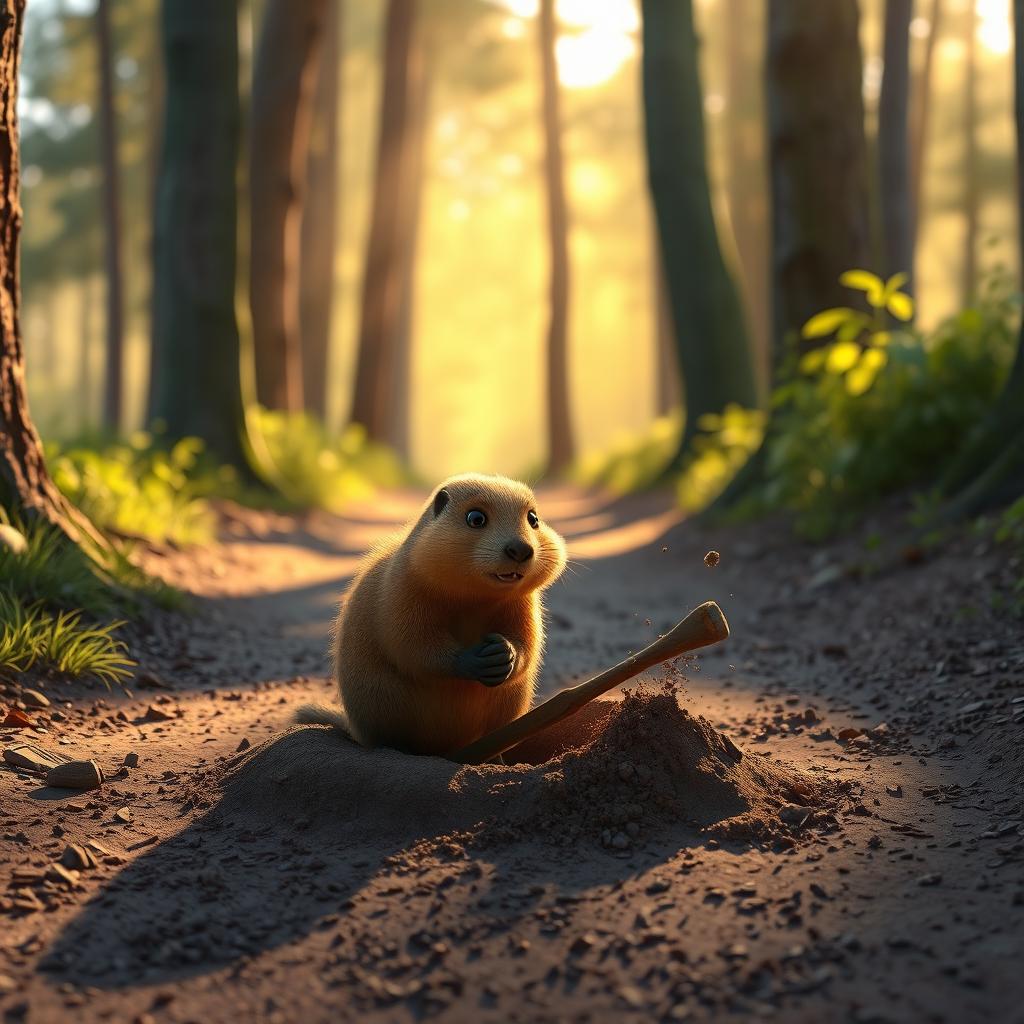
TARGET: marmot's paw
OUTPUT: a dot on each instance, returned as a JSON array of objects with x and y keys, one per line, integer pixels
[{"x": 491, "y": 662}]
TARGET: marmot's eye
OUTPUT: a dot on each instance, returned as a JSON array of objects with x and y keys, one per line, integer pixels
[
  {"x": 476, "y": 518},
  {"x": 533, "y": 519}
]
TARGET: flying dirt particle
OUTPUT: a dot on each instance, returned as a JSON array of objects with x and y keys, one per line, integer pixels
[
  {"x": 711, "y": 559},
  {"x": 663, "y": 550}
]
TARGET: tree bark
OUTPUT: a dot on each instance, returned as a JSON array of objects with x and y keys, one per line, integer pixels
[
  {"x": 818, "y": 158},
  {"x": 893, "y": 144},
  {"x": 25, "y": 486},
  {"x": 319, "y": 220},
  {"x": 284, "y": 77},
  {"x": 561, "y": 446},
  {"x": 748, "y": 185},
  {"x": 197, "y": 383},
  {"x": 114, "y": 362},
  {"x": 383, "y": 288},
  {"x": 921, "y": 116},
  {"x": 85, "y": 353},
  {"x": 970, "y": 129},
  {"x": 711, "y": 337},
  {"x": 666, "y": 365}
]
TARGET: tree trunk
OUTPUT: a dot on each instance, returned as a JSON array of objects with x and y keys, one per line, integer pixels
[
  {"x": 921, "y": 116},
  {"x": 666, "y": 365},
  {"x": 970, "y": 267},
  {"x": 114, "y": 363},
  {"x": 893, "y": 144},
  {"x": 197, "y": 389},
  {"x": 818, "y": 158},
  {"x": 748, "y": 206},
  {"x": 990, "y": 468},
  {"x": 25, "y": 486},
  {"x": 561, "y": 447},
  {"x": 319, "y": 220},
  {"x": 284, "y": 78},
  {"x": 711, "y": 337},
  {"x": 399, "y": 435},
  {"x": 85, "y": 353},
  {"x": 383, "y": 287}
]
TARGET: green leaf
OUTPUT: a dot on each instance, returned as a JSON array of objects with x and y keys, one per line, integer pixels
[
  {"x": 895, "y": 283},
  {"x": 842, "y": 356},
  {"x": 827, "y": 321},
  {"x": 864, "y": 281},
  {"x": 900, "y": 305},
  {"x": 813, "y": 361}
]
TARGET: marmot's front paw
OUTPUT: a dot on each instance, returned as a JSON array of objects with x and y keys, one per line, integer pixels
[{"x": 491, "y": 662}]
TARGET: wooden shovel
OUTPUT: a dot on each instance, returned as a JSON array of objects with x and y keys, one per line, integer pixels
[{"x": 703, "y": 626}]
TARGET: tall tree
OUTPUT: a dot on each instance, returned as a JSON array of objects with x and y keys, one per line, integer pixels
[
  {"x": 25, "y": 485},
  {"x": 921, "y": 114},
  {"x": 373, "y": 399},
  {"x": 990, "y": 468},
  {"x": 711, "y": 337},
  {"x": 817, "y": 156},
  {"x": 319, "y": 219},
  {"x": 970, "y": 128},
  {"x": 561, "y": 447},
  {"x": 114, "y": 359},
  {"x": 284, "y": 79},
  {"x": 197, "y": 384},
  {"x": 893, "y": 143}
]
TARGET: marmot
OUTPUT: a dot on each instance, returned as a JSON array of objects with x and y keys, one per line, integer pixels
[{"x": 440, "y": 635}]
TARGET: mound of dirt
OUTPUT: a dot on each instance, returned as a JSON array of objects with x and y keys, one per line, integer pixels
[{"x": 638, "y": 766}]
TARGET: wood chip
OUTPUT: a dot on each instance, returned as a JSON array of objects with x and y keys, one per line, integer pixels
[{"x": 34, "y": 758}]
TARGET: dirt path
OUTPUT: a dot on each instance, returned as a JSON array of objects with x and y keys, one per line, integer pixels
[{"x": 907, "y": 906}]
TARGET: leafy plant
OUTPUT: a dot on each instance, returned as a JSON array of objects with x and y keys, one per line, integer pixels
[
  {"x": 726, "y": 441},
  {"x": 632, "y": 461},
  {"x": 313, "y": 467},
  {"x": 876, "y": 408}
]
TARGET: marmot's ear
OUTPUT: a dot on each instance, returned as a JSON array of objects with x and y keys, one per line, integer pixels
[{"x": 440, "y": 500}]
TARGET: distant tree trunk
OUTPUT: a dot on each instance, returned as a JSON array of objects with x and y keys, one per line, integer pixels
[
  {"x": 893, "y": 144},
  {"x": 748, "y": 184},
  {"x": 711, "y": 337},
  {"x": 990, "y": 468},
  {"x": 155, "y": 99},
  {"x": 114, "y": 362},
  {"x": 399, "y": 436},
  {"x": 818, "y": 157},
  {"x": 920, "y": 117},
  {"x": 970, "y": 267},
  {"x": 85, "y": 353},
  {"x": 319, "y": 220},
  {"x": 561, "y": 447},
  {"x": 197, "y": 388},
  {"x": 373, "y": 400},
  {"x": 284, "y": 78},
  {"x": 25, "y": 486},
  {"x": 666, "y": 365}
]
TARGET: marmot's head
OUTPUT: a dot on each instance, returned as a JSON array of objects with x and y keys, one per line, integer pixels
[{"x": 483, "y": 535}]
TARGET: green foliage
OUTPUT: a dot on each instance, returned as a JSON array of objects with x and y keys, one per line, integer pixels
[
  {"x": 313, "y": 467},
  {"x": 31, "y": 636},
  {"x": 726, "y": 441},
  {"x": 1010, "y": 530},
  {"x": 877, "y": 407},
  {"x": 141, "y": 489},
  {"x": 633, "y": 461}
]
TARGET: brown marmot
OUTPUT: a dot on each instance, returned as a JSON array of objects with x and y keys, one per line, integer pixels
[{"x": 440, "y": 635}]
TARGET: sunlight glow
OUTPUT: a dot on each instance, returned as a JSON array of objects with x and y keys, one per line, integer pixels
[
  {"x": 994, "y": 30},
  {"x": 592, "y": 57}
]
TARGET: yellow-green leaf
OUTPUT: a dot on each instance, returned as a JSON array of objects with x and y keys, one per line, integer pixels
[
  {"x": 875, "y": 358},
  {"x": 825, "y": 322},
  {"x": 895, "y": 283},
  {"x": 900, "y": 305},
  {"x": 880, "y": 338},
  {"x": 842, "y": 356},
  {"x": 864, "y": 281},
  {"x": 859, "y": 379},
  {"x": 813, "y": 361}
]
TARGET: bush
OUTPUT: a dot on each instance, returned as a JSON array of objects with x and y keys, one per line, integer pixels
[
  {"x": 633, "y": 460},
  {"x": 881, "y": 405}
]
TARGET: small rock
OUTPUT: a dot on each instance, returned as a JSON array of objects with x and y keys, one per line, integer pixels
[
  {"x": 244, "y": 745},
  {"x": 150, "y": 681},
  {"x": 35, "y": 699},
  {"x": 849, "y": 733},
  {"x": 932, "y": 878},
  {"x": 712, "y": 558},
  {"x": 78, "y": 857},
  {"x": 583, "y": 942},
  {"x": 794, "y": 814},
  {"x": 123, "y": 815},
  {"x": 154, "y": 714},
  {"x": 7, "y": 984},
  {"x": 131, "y": 760}
]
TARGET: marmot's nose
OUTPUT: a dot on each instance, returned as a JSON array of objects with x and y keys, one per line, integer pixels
[{"x": 518, "y": 550}]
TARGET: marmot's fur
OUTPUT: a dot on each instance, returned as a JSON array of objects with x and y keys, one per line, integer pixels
[{"x": 440, "y": 635}]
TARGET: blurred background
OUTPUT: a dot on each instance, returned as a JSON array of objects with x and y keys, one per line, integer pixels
[{"x": 469, "y": 314}]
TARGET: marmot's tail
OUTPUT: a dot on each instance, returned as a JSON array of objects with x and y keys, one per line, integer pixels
[{"x": 320, "y": 714}]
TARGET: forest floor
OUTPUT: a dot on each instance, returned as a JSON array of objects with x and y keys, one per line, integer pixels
[{"x": 217, "y": 896}]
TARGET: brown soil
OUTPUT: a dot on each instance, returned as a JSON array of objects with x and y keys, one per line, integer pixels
[{"x": 820, "y": 819}]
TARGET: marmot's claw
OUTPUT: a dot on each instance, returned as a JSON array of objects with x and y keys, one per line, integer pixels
[{"x": 491, "y": 662}]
